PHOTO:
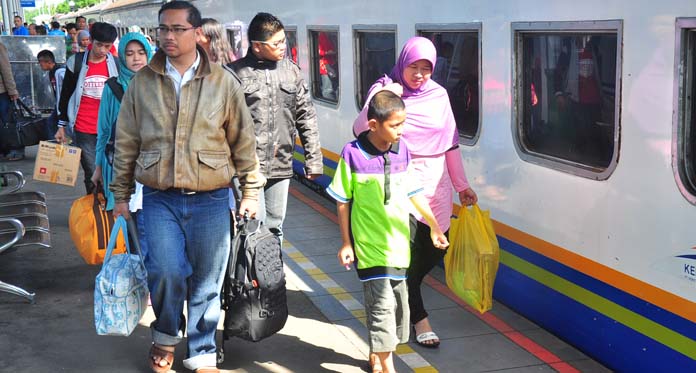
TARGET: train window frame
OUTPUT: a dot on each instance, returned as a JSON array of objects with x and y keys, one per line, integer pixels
[
  {"x": 358, "y": 30},
  {"x": 311, "y": 54},
  {"x": 684, "y": 107},
  {"x": 518, "y": 31},
  {"x": 468, "y": 27},
  {"x": 288, "y": 55}
]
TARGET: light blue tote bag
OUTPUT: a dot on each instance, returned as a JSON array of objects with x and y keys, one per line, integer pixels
[{"x": 120, "y": 291}]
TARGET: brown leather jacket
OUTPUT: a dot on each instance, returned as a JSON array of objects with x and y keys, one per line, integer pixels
[{"x": 198, "y": 146}]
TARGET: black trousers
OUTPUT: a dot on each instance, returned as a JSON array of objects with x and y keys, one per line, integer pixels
[
  {"x": 424, "y": 256},
  {"x": 88, "y": 143}
]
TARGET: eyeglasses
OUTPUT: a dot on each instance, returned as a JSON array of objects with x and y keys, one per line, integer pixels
[
  {"x": 162, "y": 30},
  {"x": 275, "y": 44}
]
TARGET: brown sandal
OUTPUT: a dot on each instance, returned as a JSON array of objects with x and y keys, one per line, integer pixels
[{"x": 157, "y": 355}]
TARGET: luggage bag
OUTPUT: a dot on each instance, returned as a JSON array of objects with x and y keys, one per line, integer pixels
[{"x": 253, "y": 293}]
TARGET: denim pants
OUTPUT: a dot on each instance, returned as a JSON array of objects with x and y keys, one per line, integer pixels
[
  {"x": 188, "y": 239},
  {"x": 273, "y": 203},
  {"x": 88, "y": 159}
]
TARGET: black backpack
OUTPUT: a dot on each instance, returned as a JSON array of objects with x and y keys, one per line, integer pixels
[{"x": 253, "y": 293}]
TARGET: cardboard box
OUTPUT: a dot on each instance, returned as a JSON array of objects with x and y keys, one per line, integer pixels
[{"x": 57, "y": 163}]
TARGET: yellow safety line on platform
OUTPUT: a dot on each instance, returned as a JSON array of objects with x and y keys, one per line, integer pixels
[{"x": 410, "y": 357}]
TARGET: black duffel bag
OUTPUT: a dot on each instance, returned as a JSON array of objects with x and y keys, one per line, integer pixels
[{"x": 24, "y": 127}]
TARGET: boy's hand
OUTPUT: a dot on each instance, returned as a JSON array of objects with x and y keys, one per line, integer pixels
[
  {"x": 439, "y": 239},
  {"x": 345, "y": 256}
]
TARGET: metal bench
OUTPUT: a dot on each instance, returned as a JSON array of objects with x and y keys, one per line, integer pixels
[
  {"x": 23, "y": 221},
  {"x": 19, "y": 233}
]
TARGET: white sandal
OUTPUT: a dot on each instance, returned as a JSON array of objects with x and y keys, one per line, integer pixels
[{"x": 428, "y": 336}]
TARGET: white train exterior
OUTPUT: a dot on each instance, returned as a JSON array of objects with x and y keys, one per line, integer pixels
[{"x": 599, "y": 252}]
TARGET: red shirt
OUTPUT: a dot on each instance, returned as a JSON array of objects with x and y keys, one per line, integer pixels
[{"x": 87, "y": 114}]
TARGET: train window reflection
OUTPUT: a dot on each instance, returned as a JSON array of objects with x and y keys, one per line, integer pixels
[
  {"x": 567, "y": 96},
  {"x": 291, "y": 44},
  {"x": 375, "y": 56},
  {"x": 686, "y": 144},
  {"x": 234, "y": 36},
  {"x": 324, "y": 65},
  {"x": 457, "y": 70}
]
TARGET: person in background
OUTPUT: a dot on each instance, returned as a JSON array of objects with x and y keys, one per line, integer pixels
[
  {"x": 431, "y": 135},
  {"x": 81, "y": 95},
  {"x": 56, "y": 73},
  {"x": 32, "y": 29},
  {"x": 374, "y": 223},
  {"x": 55, "y": 29},
  {"x": 282, "y": 109},
  {"x": 327, "y": 66},
  {"x": 83, "y": 40},
  {"x": 40, "y": 30},
  {"x": 90, "y": 22},
  {"x": 185, "y": 163},
  {"x": 8, "y": 94},
  {"x": 71, "y": 45},
  {"x": 81, "y": 23},
  {"x": 134, "y": 53},
  {"x": 19, "y": 29},
  {"x": 215, "y": 42}
]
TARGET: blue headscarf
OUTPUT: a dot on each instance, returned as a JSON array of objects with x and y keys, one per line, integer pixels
[{"x": 124, "y": 73}]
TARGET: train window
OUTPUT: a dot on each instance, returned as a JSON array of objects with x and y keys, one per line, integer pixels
[
  {"x": 457, "y": 69},
  {"x": 375, "y": 55},
  {"x": 566, "y": 96},
  {"x": 234, "y": 36},
  {"x": 291, "y": 43},
  {"x": 324, "y": 52},
  {"x": 684, "y": 144}
]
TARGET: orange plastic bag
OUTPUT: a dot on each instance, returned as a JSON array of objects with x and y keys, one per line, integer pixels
[
  {"x": 472, "y": 260},
  {"x": 90, "y": 226}
]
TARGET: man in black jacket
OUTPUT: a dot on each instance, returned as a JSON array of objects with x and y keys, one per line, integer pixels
[{"x": 279, "y": 101}]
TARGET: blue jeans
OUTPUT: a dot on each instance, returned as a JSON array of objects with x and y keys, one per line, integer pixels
[
  {"x": 188, "y": 239},
  {"x": 273, "y": 203},
  {"x": 51, "y": 124}
]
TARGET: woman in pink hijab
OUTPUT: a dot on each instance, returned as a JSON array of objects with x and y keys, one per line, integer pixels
[{"x": 431, "y": 135}]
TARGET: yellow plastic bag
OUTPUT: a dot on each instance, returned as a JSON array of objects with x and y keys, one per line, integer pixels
[{"x": 472, "y": 260}]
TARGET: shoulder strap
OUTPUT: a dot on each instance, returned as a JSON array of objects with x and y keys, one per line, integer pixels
[
  {"x": 116, "y": 88},
  {"x": 77, "y": 66}
]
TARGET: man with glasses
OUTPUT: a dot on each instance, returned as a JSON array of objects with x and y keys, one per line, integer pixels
[
  {"x": 282, "y": 108},
  {"x": 183, "y": 131}
]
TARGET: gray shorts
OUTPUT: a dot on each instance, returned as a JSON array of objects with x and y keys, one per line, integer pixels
[{"x": 386, "y": 307}]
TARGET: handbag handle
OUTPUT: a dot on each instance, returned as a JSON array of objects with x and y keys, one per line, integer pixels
[
  {"x": 20, "y": 105},
  {"x": 119, "y": 225}
]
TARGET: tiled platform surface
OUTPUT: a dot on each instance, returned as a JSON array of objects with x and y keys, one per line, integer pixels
[{"x": 324, "y": 333}]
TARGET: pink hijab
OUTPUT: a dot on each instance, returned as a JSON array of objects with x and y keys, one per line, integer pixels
[{"x": 430, "y": 128}]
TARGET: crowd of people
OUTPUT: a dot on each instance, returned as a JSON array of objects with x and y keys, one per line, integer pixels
[{"x": 164, "y": 132}]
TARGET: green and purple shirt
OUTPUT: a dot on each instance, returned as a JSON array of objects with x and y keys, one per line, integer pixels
[{"x": 378, "y": 187}]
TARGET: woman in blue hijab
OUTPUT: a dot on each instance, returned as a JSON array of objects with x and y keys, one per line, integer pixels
[{"x": 134, "y": 52}]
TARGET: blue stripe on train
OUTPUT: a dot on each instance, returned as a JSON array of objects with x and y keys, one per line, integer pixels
[
  {"x": 635, "y": 304},
  {"x": 607, "y": 341}
]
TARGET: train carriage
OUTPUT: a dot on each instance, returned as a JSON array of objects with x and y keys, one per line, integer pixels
[{"x": 577, "y": 129}]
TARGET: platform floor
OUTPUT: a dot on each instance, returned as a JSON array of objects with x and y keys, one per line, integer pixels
[{"x": 324, "y": 333}]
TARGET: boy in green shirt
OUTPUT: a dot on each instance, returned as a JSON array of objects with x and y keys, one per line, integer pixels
[{"x": 372, "y": 189}]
